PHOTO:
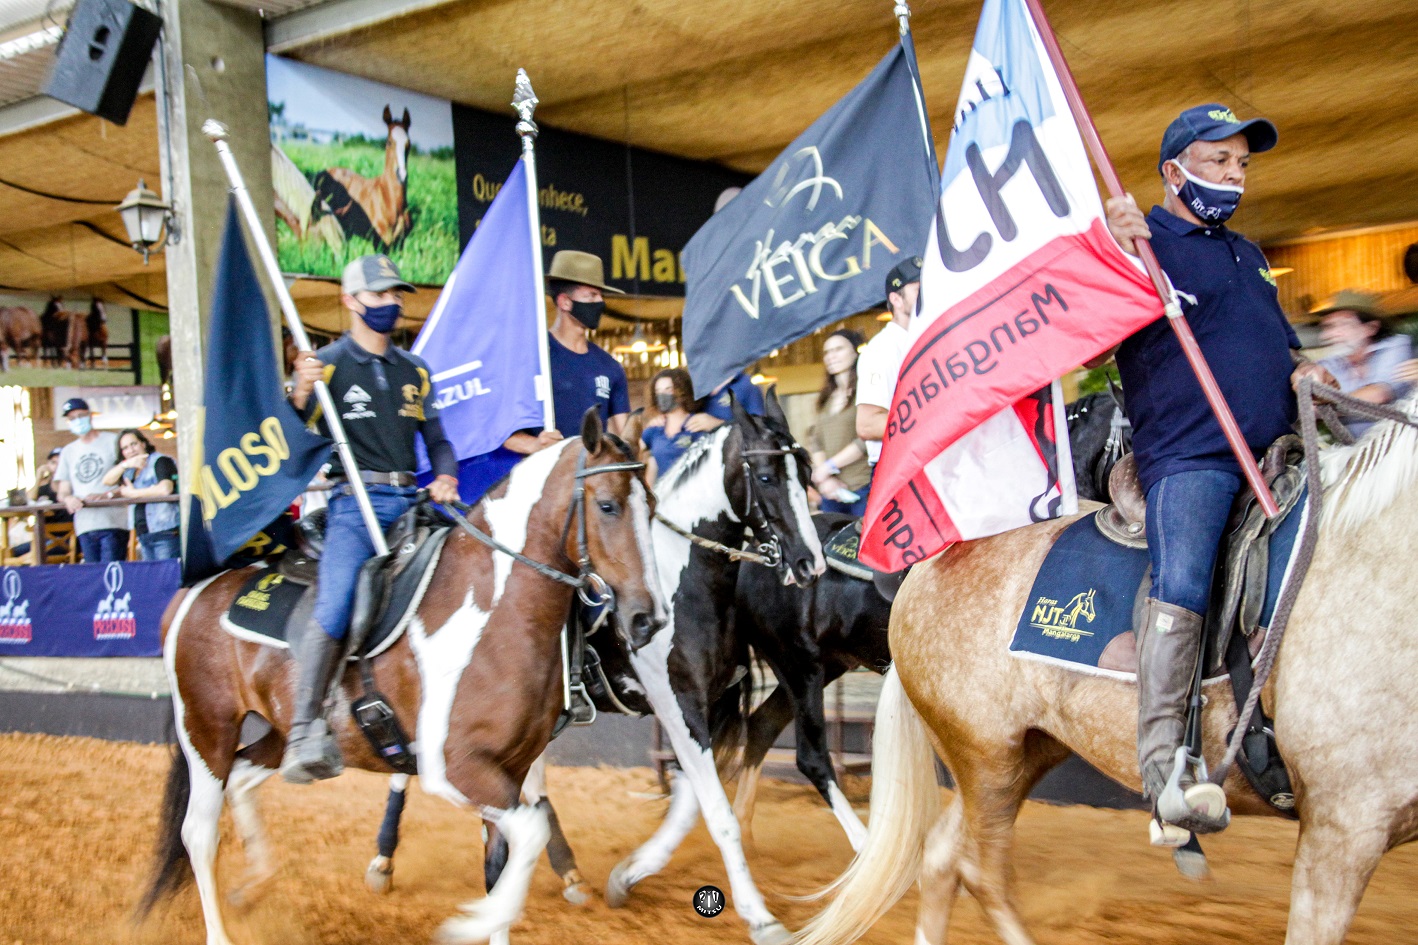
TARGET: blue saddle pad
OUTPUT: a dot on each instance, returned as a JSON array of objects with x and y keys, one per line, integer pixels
[{"x": 1083, "y": 595}]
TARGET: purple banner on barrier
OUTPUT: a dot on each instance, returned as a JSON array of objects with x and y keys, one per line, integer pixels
[{"x": 112, "y": 609}]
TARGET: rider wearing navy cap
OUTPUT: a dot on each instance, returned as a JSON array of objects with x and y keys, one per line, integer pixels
[{"x": 1227, "y": 293}]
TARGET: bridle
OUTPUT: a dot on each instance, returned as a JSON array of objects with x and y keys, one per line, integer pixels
[{"x": 593, "y": 589}]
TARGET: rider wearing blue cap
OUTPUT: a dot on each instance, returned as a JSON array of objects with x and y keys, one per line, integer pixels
[{"x": 1227, "y": 293}]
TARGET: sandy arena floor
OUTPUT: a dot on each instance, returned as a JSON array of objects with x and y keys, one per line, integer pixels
[{"x": 77, "y": 821}]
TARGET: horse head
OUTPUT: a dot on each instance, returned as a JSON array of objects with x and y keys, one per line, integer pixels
[
  {"x": 765, "y": 475},
  {"x": 608, "y": 530},
  {"x": 398, "y": 142}
]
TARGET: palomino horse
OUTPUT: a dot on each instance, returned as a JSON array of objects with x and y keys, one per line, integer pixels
[
  {"x": 19, "y": 336},
  {"x": 476, "y": 679},
  {"x": 1344, "y": 704},
  {"x": 376, "y": 208}
]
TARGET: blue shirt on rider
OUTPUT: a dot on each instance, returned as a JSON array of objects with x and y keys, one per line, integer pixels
[
  {"x": 582, "y": 381},
  {"x": 665, "y": 448},
  {"x": 744, "y": 391},
  {"x": 1226, "y": 291}
]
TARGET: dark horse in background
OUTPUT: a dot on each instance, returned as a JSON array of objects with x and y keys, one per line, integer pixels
[
  {"x": 376, "y": 208},
  {"x": 54, "y": 331},
  {"x": 87, "y": 337}
]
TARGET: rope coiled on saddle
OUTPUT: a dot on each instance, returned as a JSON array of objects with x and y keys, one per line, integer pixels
[{"x": 1308, "y": 393}]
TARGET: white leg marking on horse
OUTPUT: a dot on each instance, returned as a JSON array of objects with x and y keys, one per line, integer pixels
[
  {"x": 654, "y": 854},
  {"x": 851, "y": 824},
  {"x": 534, "y": 786},
  {"x": 527, "y": 832},
  {"x": 241, "y": 793}
]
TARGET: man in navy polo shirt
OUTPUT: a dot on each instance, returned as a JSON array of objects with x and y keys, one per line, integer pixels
[
  {"x": 582, "y": 374},
  {"x": 1184, "y": 464}
]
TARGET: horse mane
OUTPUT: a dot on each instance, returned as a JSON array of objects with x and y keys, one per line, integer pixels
[
  {"x": 1363, "y": 480},
  {"x": 688, "y": 464}
]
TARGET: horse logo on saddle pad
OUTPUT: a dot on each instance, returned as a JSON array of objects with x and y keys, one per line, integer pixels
[{"x": 1062, "y": 622}]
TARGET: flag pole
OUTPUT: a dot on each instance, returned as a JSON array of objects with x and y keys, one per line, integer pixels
[
  {"x": 903, "y": 20},
  {"x": 524, "y": 100},
  {"x": 1173, "y": 311},
  {"x": 217, "y": 133}
]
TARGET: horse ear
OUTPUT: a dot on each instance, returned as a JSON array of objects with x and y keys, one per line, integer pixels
[
  {"x": 631, "y": 434},
  {"x": 740, "y": 415},
  {"x": 406, "y": 122},
  {"x": 388, "y": 118},
  {"x": 772, "y": 409},
  {"x": 591, "y": 429}
]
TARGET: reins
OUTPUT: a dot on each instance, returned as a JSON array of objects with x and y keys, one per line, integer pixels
[{"x": 1308, "y": 393}]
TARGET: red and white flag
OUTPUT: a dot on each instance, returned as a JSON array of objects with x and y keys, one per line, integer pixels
[{"x": 1022, "y": 283}]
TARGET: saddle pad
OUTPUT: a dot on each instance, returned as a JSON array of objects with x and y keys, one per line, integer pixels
[
  {"x": 1083, "y": 595},
  {"x": 262, "y": 611},
  {"x": 840, "y": 550}
]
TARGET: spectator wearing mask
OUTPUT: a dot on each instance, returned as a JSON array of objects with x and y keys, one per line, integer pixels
[
  {"x": 670, "y": 432},
  {"x": 839, "y": 457},
  {"x": 103, "y": 532},
  {"x": 144, "y": 473}
]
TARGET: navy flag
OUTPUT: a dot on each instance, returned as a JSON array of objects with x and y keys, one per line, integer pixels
[
  {"x": 257, "y": 455},
  {"x": 811, "y": 239}
]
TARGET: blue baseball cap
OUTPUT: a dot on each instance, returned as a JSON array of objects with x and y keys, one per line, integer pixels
[
  {"x": 1214, "y": 122},
  {"x": 72, "y": 404}
]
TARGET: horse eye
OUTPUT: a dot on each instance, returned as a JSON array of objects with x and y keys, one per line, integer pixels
[
  {"x": 609, "y": 507},
  {"x": 765, "y": 477}
]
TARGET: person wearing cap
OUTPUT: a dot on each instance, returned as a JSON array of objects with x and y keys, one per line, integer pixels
[
  {"x": 103, "y": 532},
  {"x": 582, "y": 374},
  {"x": 43, "y": 489},
  {"x": 386, "y": 400},
  {"x": 1366, "y": 357},
  {"x": 1185, "y": 466},
  {"x": 880, "y": 361}
]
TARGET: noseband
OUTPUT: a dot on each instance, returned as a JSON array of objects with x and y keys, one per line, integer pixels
[{"x": 590, "y": 586}]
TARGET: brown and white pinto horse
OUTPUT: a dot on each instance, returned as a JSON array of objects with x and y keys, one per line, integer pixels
[
  {"x": 376, "y": 208},
  {"x": 476, "y": 679}
]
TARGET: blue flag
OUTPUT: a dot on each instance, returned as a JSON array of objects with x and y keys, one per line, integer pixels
[
  {"x": 257, "y": 455},
  {"x": 812, "y": 238}
]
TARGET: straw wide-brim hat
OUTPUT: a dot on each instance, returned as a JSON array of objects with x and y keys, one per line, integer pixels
[
  {"x": 1349, "y": 300},
  {"x": 571, "y": 265}
]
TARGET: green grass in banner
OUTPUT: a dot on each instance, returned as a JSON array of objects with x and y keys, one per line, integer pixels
[{"x": 429, "y": 252}]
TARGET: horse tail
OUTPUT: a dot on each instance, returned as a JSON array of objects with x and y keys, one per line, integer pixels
[
  {"x": 171, "y": 868},
  {"x": 905, "y": 802}
]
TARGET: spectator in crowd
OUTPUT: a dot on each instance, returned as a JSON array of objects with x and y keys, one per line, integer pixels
[
  {"x": 839, "y": 457},
  {"x": 144, "y": 473},
  {"x": 670, "y": 432},
  {"x": 102, "y": 532},
  {"x": 1366, "y": 362},
  {"x": 43, "y": 489},
  {"x": 881, "y": 359}
]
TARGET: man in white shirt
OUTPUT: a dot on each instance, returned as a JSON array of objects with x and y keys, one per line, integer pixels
[
  {"x": 103, "y": 533},
  {"x": 881, "y": 359}
]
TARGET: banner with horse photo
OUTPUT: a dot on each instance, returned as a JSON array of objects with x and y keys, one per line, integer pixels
[
  {"x": 360, "y": 167},
  {"x": 1022, "y": 283},
  {"x": 78, "y": 340}
]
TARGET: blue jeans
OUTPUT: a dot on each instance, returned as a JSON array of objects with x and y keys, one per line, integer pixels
[
  {"x": 857, "y": 508},
  {"x": 156, "y": 546},
  {"x": 1186, "y": 520},
  {"x": 348, "y": 547},
  {"x": 104, "y": 544}
]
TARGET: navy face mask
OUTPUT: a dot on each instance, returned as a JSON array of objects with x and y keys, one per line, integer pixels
[
  {"x": 1212, "y": 203},
  {"x": 587, "y": 313},
  {"x": 382, "y": 317}
]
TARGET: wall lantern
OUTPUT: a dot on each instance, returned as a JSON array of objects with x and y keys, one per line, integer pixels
[{"x": 145, "y": 217}]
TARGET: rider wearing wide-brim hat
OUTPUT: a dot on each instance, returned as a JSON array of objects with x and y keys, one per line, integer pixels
[
  {"x": 1227, "y": 293},
  {"x": 386, "y": 401},
  {"x": 1366, "y": 356}
]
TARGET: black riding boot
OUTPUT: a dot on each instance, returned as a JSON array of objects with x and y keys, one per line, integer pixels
[
  {"x": 1169, "y": 643},
  {"x": 311, "y": 751}
]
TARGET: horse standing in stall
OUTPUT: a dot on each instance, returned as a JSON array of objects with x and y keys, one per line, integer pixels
[
  {"x": 376, "y": 208},
  {"x": 20, "y": 336},
  {"x": 476, "y": 678},
  {"x": 1342, "y": 697}
]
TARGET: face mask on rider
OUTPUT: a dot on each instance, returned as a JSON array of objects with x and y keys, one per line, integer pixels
[
  {"x": 80, "y": 426},
  {"x": 665, "y": 402},
  {"x": 381, "y": 318},
  {"x": 1212, "y": 203}
]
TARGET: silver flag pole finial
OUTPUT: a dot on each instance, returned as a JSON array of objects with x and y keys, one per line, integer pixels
[
  {"x": 524, "y": 100},
  {"x": 903, "y": 16}
]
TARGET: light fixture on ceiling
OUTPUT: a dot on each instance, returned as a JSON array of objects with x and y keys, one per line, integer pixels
[
  {"x": 638, "y": 344},
  {"x": 146, "y": 218}
]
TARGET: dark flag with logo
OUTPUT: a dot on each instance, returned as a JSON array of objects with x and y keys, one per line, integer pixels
[
  {"x": 812, "y": 238},
  {"x": 257, "y": 455}
]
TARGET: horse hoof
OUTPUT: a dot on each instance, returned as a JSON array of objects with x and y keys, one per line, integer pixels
[
  {"x": 379, "y": 876},
  {"x": 575, "y": 889},
  {"x": 774, "y": 933},
  {"x": 618, "y": 886}
]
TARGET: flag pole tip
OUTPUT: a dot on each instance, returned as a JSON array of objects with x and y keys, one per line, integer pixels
[
  {"x": 524, "y": 100},
  {"x": 215, "y": 130}
]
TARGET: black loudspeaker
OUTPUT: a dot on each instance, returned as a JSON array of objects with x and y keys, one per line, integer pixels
[{"x": 102, "y": 57}]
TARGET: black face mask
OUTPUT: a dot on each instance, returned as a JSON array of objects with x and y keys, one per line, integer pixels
[
  {"x": 588, "y": 313},
  {"x": 665, "y": 402}
]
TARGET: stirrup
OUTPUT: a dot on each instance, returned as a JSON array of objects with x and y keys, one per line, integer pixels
[
  {"x": 312, "y": 756},
  {"x": 1200, "y": 808}
]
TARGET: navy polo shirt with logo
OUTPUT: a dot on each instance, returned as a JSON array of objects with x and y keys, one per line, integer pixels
[
  {"x": 582, "y": 381},
  {"x": 742, "y": 387},
  {"x": 385, "y": 400},
  {"x": 1226, "y": 291}
]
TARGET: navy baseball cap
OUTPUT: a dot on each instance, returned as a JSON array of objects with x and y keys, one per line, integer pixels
[
  {"x": 906, "y": 271},
  {"x": 74, "y": 403},
  {"x": 1213, "y": 123}
]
